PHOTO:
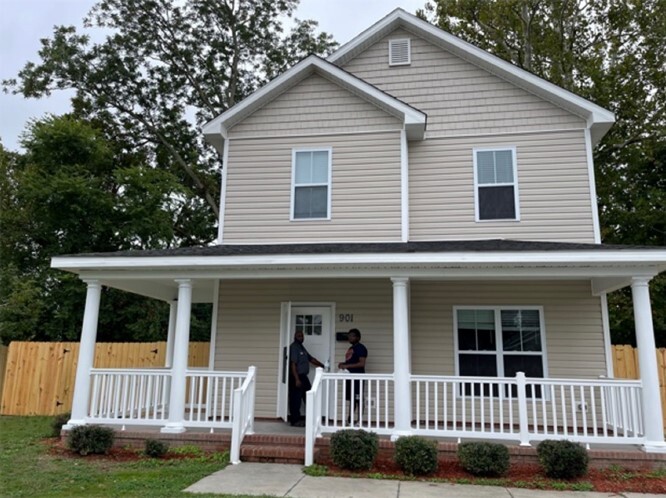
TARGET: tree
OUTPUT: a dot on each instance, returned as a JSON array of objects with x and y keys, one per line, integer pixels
[
  {"x": 612, "y": 53},
  {"x": 76, "y": 191},
  {"x": 167, "y": 67},
  {"x": 129, "y": 169}
]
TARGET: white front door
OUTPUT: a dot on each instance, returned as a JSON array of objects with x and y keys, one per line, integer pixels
[{"x": 316, "y": 323}]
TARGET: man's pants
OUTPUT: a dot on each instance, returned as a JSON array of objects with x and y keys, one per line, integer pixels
[{"x": 297, "y": 396}]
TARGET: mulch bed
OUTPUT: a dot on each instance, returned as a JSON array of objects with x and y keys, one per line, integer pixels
[
  {"x": 524, "y": 476},
  {"x": 520, "y": 475}
]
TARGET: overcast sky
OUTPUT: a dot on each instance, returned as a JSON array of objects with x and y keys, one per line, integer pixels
[{"x": 24, "y": 22}]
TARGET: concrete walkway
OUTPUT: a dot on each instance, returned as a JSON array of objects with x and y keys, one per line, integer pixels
[{"x": 273, "y": 479}]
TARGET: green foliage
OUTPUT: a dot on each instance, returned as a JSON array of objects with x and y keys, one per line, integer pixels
[
  {"x": 484, "y": 459},
  {"x": 315, "y": 470},
  {"x": 58, "y": 422},
  {"x": 416, "y": 456},
  {"x": 562, "y": 459},
  {"x": 187, "y": 450},
  {"x": 155, "y": 448},
  {"x": 76, "y": 191},
  {"x": 354, "y": 449},
  {"x": 90, "y": 439},
  {"x": 611, "y": 53}
]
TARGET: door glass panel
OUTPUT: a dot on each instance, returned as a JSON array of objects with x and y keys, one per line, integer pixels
[{"x": 309, "y": 324}]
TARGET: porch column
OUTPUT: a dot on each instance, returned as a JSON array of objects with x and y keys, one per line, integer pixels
[
  {"x": 81, "y": 397},
  {"x": 168, "y": 357},
  {"x": 402, "y": 402},
  {"x": 181, "y": 346},
  {"x": 647, "y": 362}
]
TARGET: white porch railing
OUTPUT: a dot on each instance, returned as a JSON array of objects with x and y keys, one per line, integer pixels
[
  {"x": 210, "y": 397},
  {"x": 129, "y": 396},
  {"x": 141, "y": 397},
  {"x": 528, "y": 409},
  {"x": 243, "y": 413}
]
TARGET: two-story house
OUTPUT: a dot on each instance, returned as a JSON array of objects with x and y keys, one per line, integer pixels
[{"x": 432, "y": 195}]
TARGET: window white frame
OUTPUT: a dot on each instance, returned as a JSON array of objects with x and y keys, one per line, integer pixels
[
  {"x": 514, "y": 184},
  {"x": 328, "y": 184},
  {"x": 499, "y": 352},
  {"x": 409, "y": 51}
]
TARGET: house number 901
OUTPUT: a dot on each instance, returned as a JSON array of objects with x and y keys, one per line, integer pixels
[{"x": 346, "y": 317}]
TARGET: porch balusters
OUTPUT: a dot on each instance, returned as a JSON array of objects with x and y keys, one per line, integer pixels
[
  {"x": 81, "y": 397},
  {"x": 402, "y": 377},
  {"x": 179, "y": 367},
  {"x": 647, "y": 362}
]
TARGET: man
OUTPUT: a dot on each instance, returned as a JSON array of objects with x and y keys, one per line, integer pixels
[
  {"x": 355, "y": 363},
  {"x": 299, "y": 383}
]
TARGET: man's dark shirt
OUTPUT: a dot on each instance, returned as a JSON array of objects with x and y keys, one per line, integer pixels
[
  {"x": 354, "y": 354},
  {"x": 299, "y": 355}
]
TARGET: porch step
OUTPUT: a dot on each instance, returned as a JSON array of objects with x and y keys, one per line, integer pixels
[{"x": 273, "y": 448}]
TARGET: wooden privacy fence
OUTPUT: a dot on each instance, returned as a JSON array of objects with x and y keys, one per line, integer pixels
[
  {"x": 39, "y": 376},
  {"x": 625, "y": 366}
]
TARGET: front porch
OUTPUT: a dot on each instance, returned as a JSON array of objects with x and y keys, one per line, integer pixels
[{"x": 505, "y": 341}]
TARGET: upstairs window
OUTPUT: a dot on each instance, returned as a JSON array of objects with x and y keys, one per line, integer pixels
[
  {"x": 496, "y": 186},
  {"x": 311, "y": 190},
  {"x": 399, "y": 52}
]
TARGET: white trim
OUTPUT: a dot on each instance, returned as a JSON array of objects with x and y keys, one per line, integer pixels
[
  {"x": 514, "y": 184},
  {"x": 499, "y": 352},
  {"x": 605, "y": 326},
  {"x": 328, "y": 186},
  {"x": 391, "y": 43},
  {"x": 429, "y": 135},
  {"x": 593, "y": 187},
  {"x": 546, "y": 258},
  {"x": 414, "y": 119},
  {"x": 223, "y": 192},
  {"x": 404, "y": 186},
  {"x": 123, "y": 280},
  {"x": 291, "y": 136},
  {"x": 439, "y": 135},
  {"x": 282, "y": 405},
  {"x": 213, "y": 325},
  {"x": 596, "y": 116}
]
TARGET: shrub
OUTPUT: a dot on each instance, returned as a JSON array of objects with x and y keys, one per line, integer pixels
[
  {"x": 354, "y": 449},
  {"x": 562, "y": 459},
  {"x": 58, "y": 422},
  {"x": 484, "y": 459},
  {"x": 155, "y": 448},
  {"x": 416, "y": 456},
  {"x": 86, "y": 439}
]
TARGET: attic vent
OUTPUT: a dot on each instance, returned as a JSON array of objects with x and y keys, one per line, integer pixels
[{"x": 399, "y": 52}]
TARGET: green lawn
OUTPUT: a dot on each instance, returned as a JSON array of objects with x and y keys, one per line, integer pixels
[{"x": 27, "y": 468}]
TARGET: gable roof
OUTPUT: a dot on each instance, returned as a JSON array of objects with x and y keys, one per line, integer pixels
[
  {"x": 215, "y": 131},
  {"x": 599, "y": 120}
]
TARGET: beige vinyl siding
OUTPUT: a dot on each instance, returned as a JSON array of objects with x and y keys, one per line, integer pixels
[
  {"x": 365, "y": 190},
  {"x": 458, "y": 97},
  {"x": 553, "y": 185},
  {"x": 572, "y": 316},
  {"x": 315, "y": 105},
  {"x": 248, "y": 325}
]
